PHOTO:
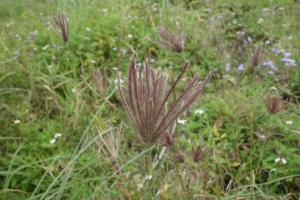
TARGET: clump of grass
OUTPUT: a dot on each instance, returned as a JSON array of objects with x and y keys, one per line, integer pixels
[{"x": 146, "y": 100}]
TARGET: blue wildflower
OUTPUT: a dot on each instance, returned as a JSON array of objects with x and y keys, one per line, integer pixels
[
  {"x": 287, "y": 54},
  {"x": 271, "y": 73},
  {"x": 288, "y": 61},
  {"x": 269, "y": 64},
  {"x": 276, "y": 51},
  {"x": 241, "y": 67}
]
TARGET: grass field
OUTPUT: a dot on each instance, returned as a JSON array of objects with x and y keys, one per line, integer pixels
[{"x": 64, "y": 133}]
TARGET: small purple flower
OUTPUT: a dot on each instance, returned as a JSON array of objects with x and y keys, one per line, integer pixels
[
  {"x": 269, "y": 64},
  {"x": 271, "y": 73},
  {"x": 276, "y": 51},
  {"x": 241, "y": 67},
  {"x": 288, "y": 61},
  {"x": 287, "y": 54}
]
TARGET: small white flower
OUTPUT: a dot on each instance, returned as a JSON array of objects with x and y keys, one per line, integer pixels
[
  {"x": 33, "y": 33},
  {"x": 114, "y": 48},
  {"x": 281, "y": 160},
  {"x": 181, "y": 121},
  {"x": 152, "y": 60},
  {"x": 140, "y": 186},
  {"x": 227, "y": 67},
  {"x": 52, "y": 141},
  {"x": 289, "y": 122},
  {"x": 139, "y": 65},
  {"x": 199, "y": 112},
  {"x": 124, "y": 51},
  {"x": 149, "y": 177},
  {"x": 273, "y": 170},
  {"x": 57, "y": 135},
  {"x": 261, "y": 20},
  {"x": 261, "y": 136},
  {"x": 117, "y": 81},
  {"x": 74, "y": 90},
  {"x": 104, "y": 10},
  {"x": 18, "y": 37},
  {"x": 87, "y": 29},
  {"x": 268, "y": 42},
  {"x": 129, "y": 36},
  {"x": 17, "y": 121},
  {"x": 93, "y": 61},
  {"x": 240, "y": 33},
  {"x": 46, "y": 47}
]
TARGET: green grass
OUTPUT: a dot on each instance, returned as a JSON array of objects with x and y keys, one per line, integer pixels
[{"x": 47, "y": 86}]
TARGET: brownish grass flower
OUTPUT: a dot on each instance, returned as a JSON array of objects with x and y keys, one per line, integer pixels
[
  {"x": 198, "y": 154},
  {"x": 274, "y": 104},
  {"x": 146, "y": 101},
  {"x": 170, "y": 40},
  {"x": 256, "y": 56},
  {"x": 178, "y": 157},
  {"x": 61, "y": 26}
]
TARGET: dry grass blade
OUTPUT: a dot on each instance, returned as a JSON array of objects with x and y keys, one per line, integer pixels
[
  {"x": 61, "y": 26},
  {"x": 109, "y": 145},
  {"x": 170, "y": 40},
  {"x": 146, "y": 101},
  {"x": 99, "y": 77}
]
